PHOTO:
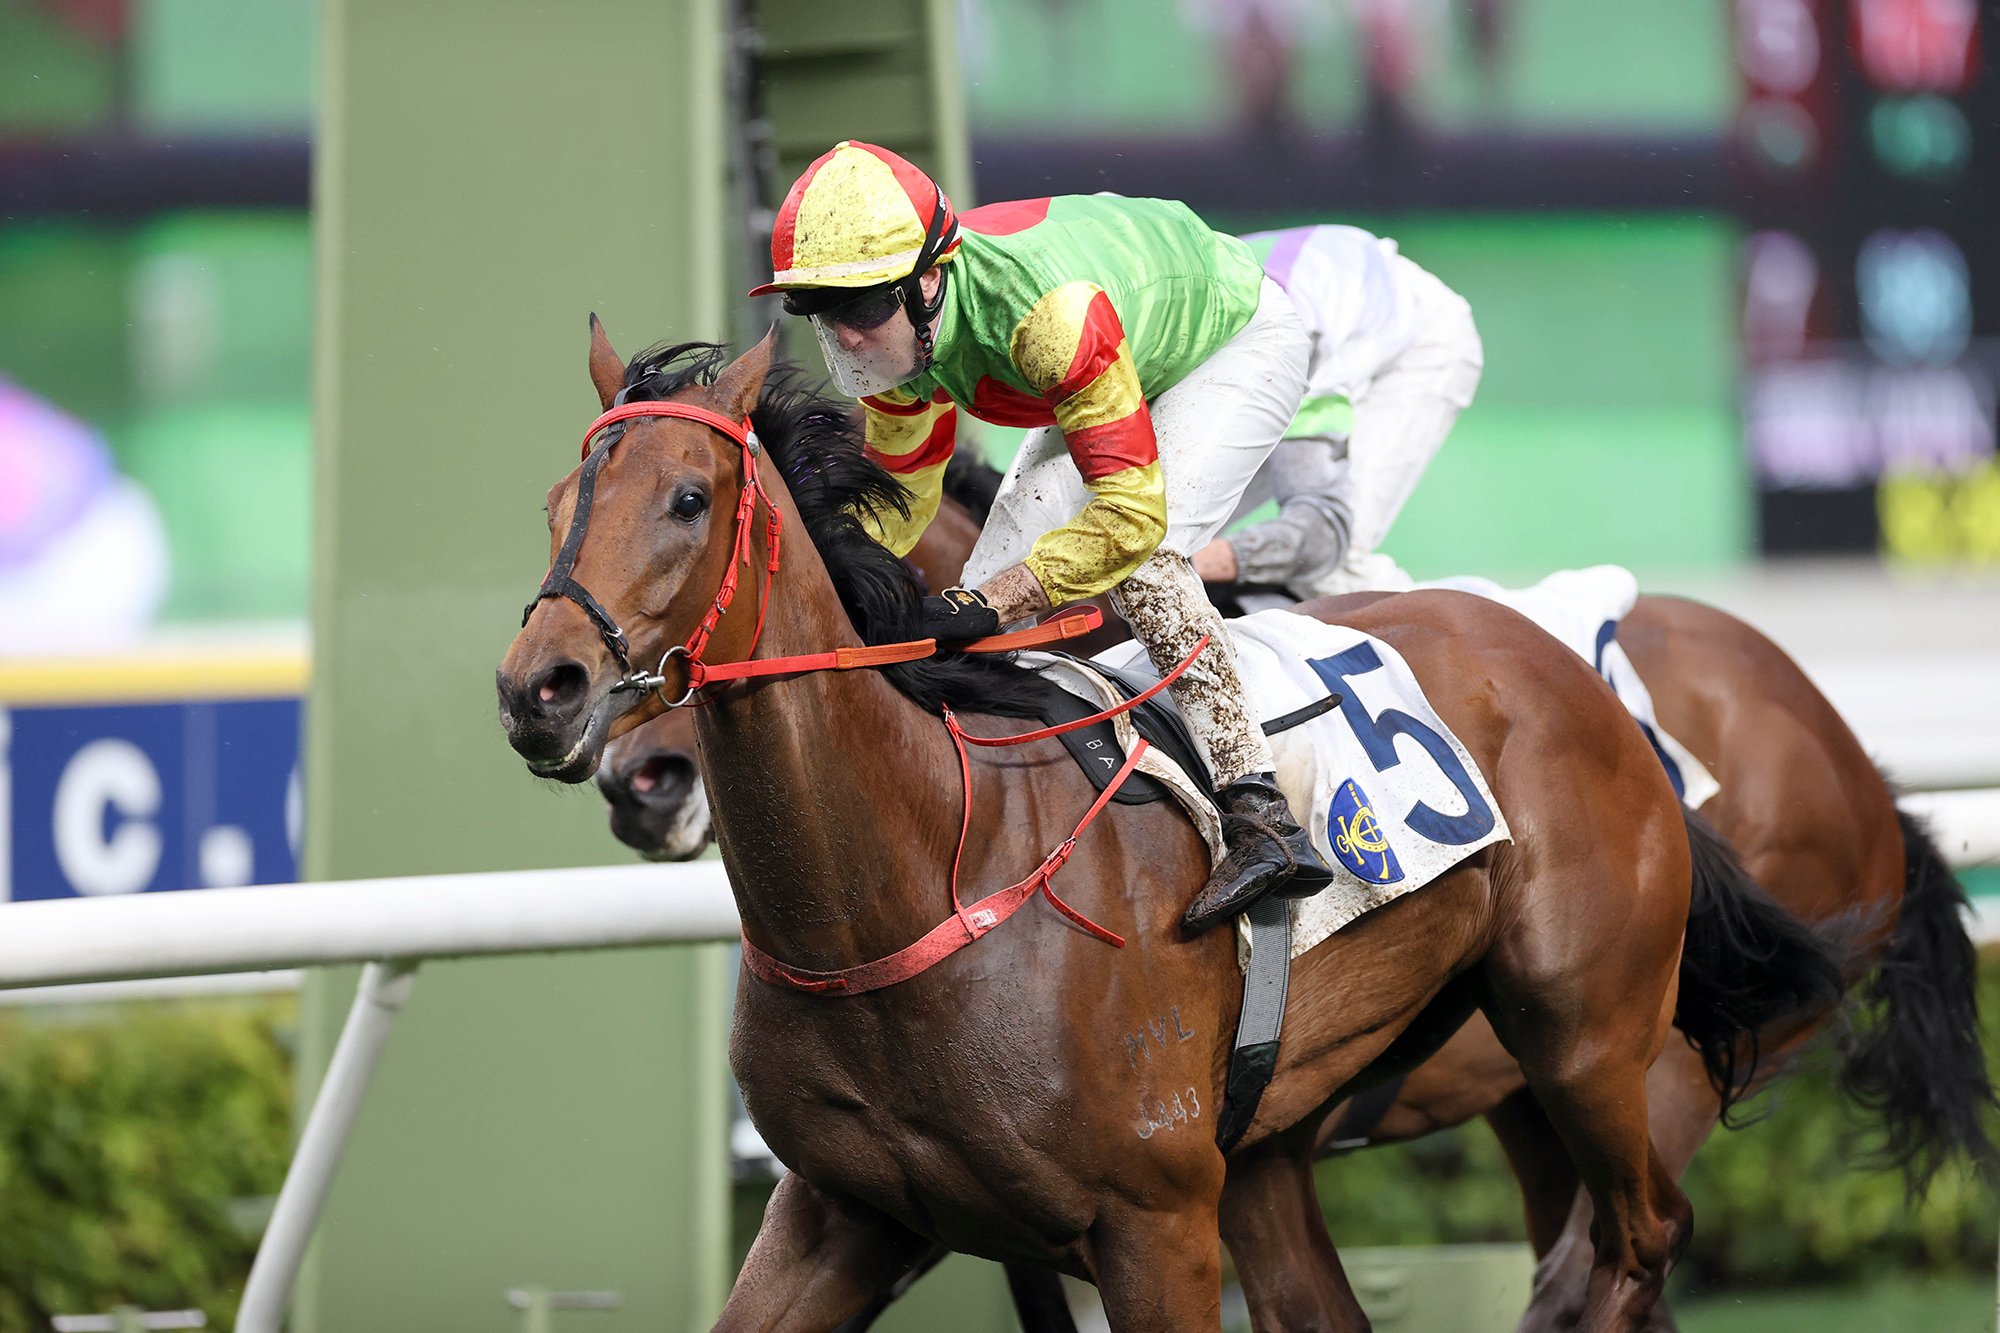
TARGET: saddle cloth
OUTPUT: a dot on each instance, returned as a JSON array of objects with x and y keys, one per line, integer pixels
[
  {"x": 1390, "y": 796},
  {"x": 1351, "y": 783},
  {"x": 1582, "y": 608}
]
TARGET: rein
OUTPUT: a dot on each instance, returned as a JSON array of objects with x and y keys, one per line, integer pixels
[{"x": 965, "y": 924}]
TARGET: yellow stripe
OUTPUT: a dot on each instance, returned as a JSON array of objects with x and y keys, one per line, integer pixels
[
  {"x": 1095, "y": 551},
  {"x": 193, "y": 675},
  {"x": 1044, "y": 343},
  {"x": 894, "y": 435},
  {"x": 1112, "y": 396},
  {"x": 892, "y": 529}
]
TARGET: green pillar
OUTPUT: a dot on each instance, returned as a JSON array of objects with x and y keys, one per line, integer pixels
[{"x": 488, "y": 173}]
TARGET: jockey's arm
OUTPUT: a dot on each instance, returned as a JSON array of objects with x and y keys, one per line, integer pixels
[
  {"x": 913, "y": 439},
  {"x": 1309, "y": 536},
  {"x": 1072, "y": 350}
]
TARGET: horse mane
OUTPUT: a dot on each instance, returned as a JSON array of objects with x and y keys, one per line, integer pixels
[
  {"x": 816, "y": 444},
  {"x": 973, "y": 482}
]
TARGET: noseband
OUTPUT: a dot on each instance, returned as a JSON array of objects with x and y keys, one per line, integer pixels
[{"x": 559, "y": 582}]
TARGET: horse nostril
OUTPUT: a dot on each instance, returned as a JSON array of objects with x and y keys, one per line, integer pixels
[
  {"x": 664, "y": 776},
  {"x": 558, "y": 688}
]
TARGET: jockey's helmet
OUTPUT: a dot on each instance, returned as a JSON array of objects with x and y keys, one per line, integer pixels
[{"x": 852, "y": 242}]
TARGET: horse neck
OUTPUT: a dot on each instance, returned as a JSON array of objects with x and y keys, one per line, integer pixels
[{"x": 835, "y": 800}]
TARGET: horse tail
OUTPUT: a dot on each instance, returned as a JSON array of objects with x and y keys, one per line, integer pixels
[
  {"x": 1917, "y": 1062},
  {"x": 1745, "y": 963}
]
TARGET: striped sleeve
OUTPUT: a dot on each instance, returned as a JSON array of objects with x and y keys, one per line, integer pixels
[
  {"x": 913, "y": 439},
  {"x": 1071, "y": 349}
]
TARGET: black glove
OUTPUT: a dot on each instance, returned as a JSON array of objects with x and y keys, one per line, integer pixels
[{"x": 960, "y": 616}]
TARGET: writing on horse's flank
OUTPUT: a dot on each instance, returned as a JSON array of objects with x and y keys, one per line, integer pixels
[
  {"x": 1184, "y": 1106},
  {"x": 1167, "y": 1025}
]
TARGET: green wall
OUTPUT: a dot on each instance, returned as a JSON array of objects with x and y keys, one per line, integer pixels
[
  {"x": 1605, "y": 427},
  {"x": 489, "y": 172}
]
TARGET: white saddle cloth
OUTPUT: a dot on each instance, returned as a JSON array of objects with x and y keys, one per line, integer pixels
[
  {"x": 1582, "y": 608},
  {"x": 1389, "y": 795}
]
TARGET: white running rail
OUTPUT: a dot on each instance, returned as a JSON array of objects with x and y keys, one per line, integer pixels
[{"x": 394, "y": 924}]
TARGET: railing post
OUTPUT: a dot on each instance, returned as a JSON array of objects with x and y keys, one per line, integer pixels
[{"x": 384, "y": 989}]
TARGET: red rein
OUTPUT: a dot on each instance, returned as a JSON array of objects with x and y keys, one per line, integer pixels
[{"x": 965, "y": 924}]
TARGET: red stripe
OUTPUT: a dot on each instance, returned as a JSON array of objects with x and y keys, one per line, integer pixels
[
  {"x": 1004, "y": 219},
  {"x": 1004, "y": 405},
  {"x": 887, "y": 408},
  {"x": 918, "y": 188},
  {"x": 785, "y": 231},
  {"x": 1114, "y": 446},
  {"x": 936, "y": 448},
  {"x": 1096, "y": 347}
]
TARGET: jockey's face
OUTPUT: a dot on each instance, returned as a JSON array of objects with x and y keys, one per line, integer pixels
[{"x": 870, "y": 344}]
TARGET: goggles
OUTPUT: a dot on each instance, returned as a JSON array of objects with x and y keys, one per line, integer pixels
[{"x": 869, "y": 308}]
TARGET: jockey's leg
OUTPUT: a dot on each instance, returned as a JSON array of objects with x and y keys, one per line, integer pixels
[
  {"x": 1400, "y": 421},
  {"x": 1308, "y": 539},
  {"x": 1169, "y": 612},
  {"x": 1216, "y": 429}
]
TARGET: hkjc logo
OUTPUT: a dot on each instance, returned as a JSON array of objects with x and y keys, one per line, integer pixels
[{"x": 1357, "y": 836}]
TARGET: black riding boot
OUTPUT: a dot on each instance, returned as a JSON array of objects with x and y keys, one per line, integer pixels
[{"x": 1268, "y": 853}]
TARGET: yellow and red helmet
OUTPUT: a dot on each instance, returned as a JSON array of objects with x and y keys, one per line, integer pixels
[{"x": 860, "y": 216}]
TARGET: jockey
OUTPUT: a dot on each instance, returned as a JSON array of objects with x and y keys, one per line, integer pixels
[
  {"x": 1395, "y": 358},
  {"x": 1159, "y": 366}
]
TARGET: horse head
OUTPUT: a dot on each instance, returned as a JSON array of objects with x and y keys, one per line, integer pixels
[
  {"x": 642, "y": 536},
  {"x": 651, "y": 784}
]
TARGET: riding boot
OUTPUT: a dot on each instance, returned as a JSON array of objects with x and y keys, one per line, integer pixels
[
  {"x": 1268, "y": 853},
  {"x": 1169, "y": 612}
]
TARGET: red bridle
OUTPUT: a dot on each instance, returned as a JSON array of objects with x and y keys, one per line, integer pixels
[
  {"x": 558, "y": 582},
  {"x": 967, "y": 922}
]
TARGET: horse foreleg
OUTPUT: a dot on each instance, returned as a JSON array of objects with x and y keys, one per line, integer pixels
[
  {"x": 818, "y": 1260},
  {"x": 1158, "y": 1272},
  {"x": 1272, "y": 1223},
  {"x": 1039, "y": 1302}
]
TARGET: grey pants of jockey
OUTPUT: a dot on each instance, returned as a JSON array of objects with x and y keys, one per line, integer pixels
[
  {"x": 1215, "y": 430},
  {"x": 1338, "y": 497}
]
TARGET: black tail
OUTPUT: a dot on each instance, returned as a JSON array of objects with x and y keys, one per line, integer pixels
[
  {"x": 1918, "y": 1062},
  {"x": 1746, "y": 962}
]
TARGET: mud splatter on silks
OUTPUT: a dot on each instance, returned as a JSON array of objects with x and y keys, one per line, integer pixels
[{"x": 1168, "y": 611}]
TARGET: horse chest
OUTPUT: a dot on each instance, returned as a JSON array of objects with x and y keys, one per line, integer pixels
[{"x": 934, "y": 1127}]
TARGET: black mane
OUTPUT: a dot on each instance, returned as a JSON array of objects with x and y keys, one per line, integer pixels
[{"x": 816, "y": 444}]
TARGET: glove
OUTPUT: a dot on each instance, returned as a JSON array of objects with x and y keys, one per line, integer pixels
[{"x": 959, "y": 616}]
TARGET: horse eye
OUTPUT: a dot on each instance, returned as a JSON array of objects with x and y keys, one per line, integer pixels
[{"x": 690, "y": 505}]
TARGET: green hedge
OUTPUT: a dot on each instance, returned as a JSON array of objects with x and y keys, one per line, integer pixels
[
  {"x": 127, "y": 1141},
  {"x": 1789, "y": 1199},
  {"x": 124, "y": 1141}
]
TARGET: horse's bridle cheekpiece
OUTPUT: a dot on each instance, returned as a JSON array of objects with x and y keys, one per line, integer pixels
[{"x": 559, "y": 583}]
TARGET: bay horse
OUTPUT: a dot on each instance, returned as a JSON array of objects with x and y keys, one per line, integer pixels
[
  {"x": 1816, "y": 826},
  {"x": 970, "y": 1105}
]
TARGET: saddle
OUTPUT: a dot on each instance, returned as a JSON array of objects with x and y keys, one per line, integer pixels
[
  {"x": 1253, "y": 1055},
  {"x": 1158, "y": 720},
  {"x": 1096, "y": 750}
]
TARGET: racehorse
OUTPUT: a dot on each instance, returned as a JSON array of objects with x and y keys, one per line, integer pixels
[
  {"x": 968, "y": 1104},
  {"x": 1816, "y": 826}
]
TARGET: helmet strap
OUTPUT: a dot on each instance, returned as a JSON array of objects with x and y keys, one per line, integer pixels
[{"x": 938, "y": 237}]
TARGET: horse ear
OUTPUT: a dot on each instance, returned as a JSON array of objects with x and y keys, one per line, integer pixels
[
  {"x": 736, "y": 389},
  {"x": 607, "y": 372}
]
